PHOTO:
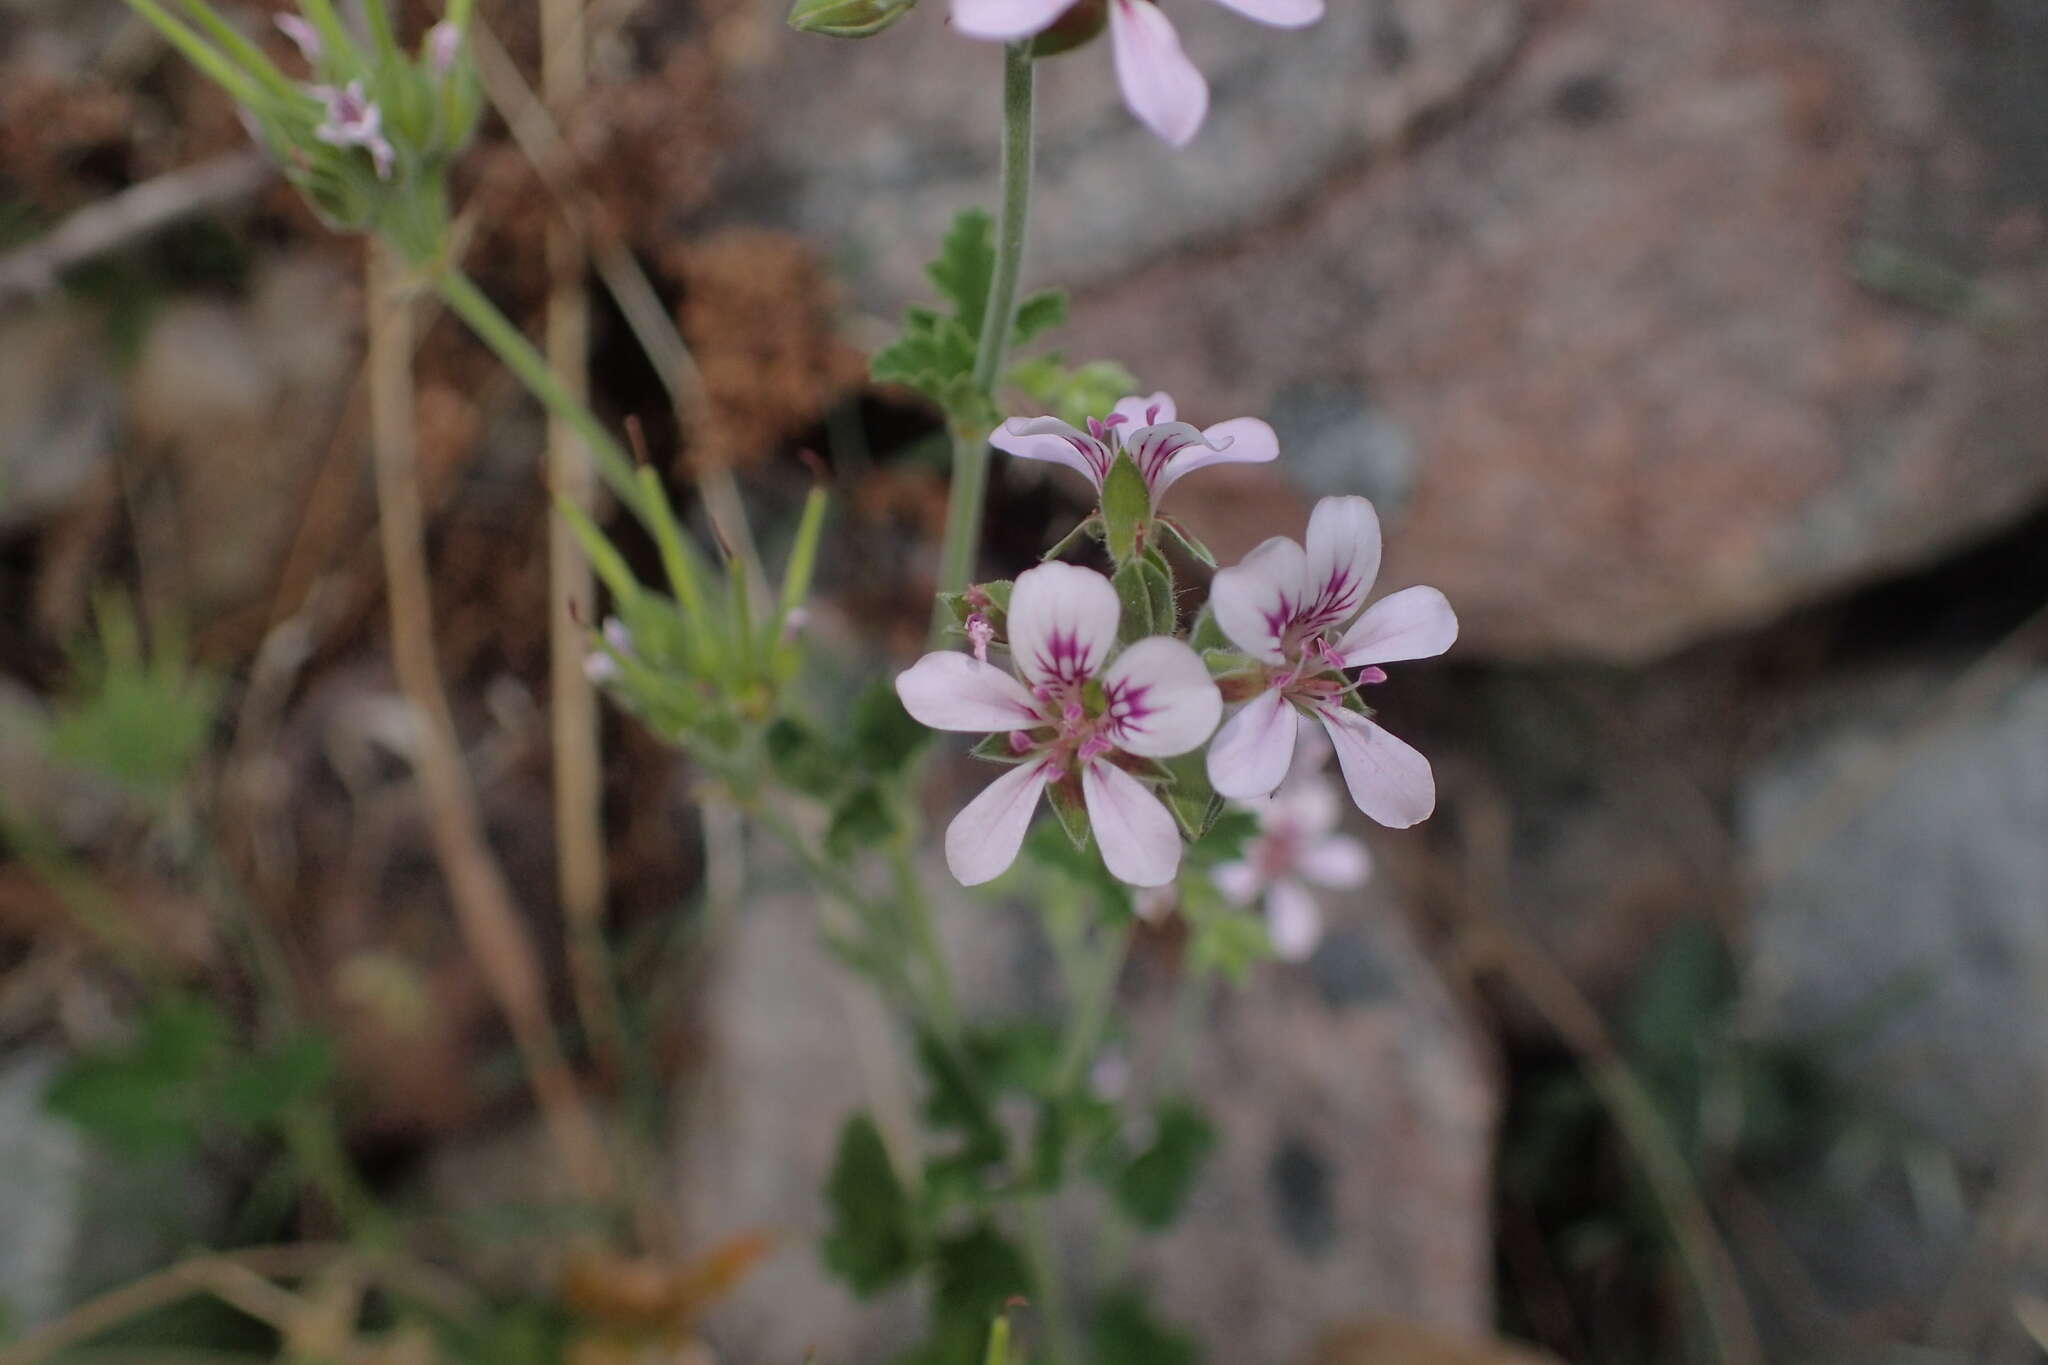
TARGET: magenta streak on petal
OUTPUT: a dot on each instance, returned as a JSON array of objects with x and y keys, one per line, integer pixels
[
  {"x": 1151, "y": 414},
  {"x": 1127, "y": 709},
  {"x": 1063, "y": 657}
]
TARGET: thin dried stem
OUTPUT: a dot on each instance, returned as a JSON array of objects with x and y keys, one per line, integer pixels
[
  {"x": 489, "y": 920},
  {"x": 128, "y": 217},
  {"x": 572, "y": 593}
]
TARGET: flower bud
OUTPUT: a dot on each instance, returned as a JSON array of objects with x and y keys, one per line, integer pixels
[{"x": 847, "y": 18}]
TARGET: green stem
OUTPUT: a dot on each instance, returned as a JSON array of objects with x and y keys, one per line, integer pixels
[
  {"x": 917, "y": 911},
  {"x": 200, "y": 53},
  {"x": 1095, "y": 997},
  {"x": 1061, "y": 1347},
  {"x": 970, "y": 447},
  {"x": 496, "y": 331}
]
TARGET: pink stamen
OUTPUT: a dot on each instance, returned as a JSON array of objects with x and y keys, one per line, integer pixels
[
  {"x": 1372, "y": 674},
  {"x": 979, "y": 633},
  {"x": 1020, "y": 742}
]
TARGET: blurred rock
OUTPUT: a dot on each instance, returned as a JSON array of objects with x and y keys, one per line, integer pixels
[
  {"x": 1355, "y": 1107},
  {"x": 1898, "y": 930},
  {"x": 1923, "y": 886},
  {"x": 239, "y": 398},
  {"x": 1392, "y": 1342},
  {"x": 39, "y": 1199},
  {"x": 59, "y": 410},
  {"x": 1611, "y": 305},
  {"x": 80, "y": 1219},
  {"x": 759, "y": 1123},
  {"x": 1355, "y": 1110},
  {"x": 840, "y": 149}
]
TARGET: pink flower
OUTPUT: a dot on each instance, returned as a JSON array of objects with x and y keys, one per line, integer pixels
[
  {"x": 1296, "y": 848},
  {"x": 602, "y": 665},
  {"x": 1074, "y": 715},
  {"x": 1160, "y": 84},
  {"x": 442, "y": 46},
  {"x": 303, "y": 35},
  {"x": 1289, "y": 608},
  {"x": 354, "y": 121},
  {"x": 1164, "y": 450}
]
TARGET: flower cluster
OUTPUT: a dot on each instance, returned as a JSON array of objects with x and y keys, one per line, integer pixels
[
  {"x": 370, "y": 131},
  {"x": 1293, "y": 641}
]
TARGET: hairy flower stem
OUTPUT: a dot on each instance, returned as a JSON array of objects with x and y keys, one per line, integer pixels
[{"x": 970, "y": 447}]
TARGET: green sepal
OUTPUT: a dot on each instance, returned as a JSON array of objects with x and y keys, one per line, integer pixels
[
  {"x": 1065, "y": 797},
  {"x": 1207, "y": 636},
  {"x": 1126, "y": 508},
  {"x": 996, "y": 749},
  {"x": 1092, "y": 527},
  {"x": 1134, "y": 596},
  {"x": 1194, "y": 803},
  {"x": 1186, "y": 540},
  {"x": 1159, "y": 584},
  {"x": 847, "y": 18}
]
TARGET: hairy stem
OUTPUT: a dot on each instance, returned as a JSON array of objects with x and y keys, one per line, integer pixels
[{"x": 970, "y": 447}]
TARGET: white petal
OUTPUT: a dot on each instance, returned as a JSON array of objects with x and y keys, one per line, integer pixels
[
  {"x": 1293, "y": 920},
  {"x": 1160, "y": 84},
  {"x": 1238, "y": 881},
  {"x": 1241, "y": 440},
  {"x": 1161, "y": 698},
  {"x": 1252, "y": 750},
  {"x": 1337, "y": 862},
  {"x": 1140, "y": 842},
  {"x": 1414, "y": 623},
  {"x": 1062, "y": 623},
  {"x": 1050, "y": 439},
  {"x": 1002, "y": 20},
  {"x": 984, "y": 837},
  {"x": 1143, "y": 412},
  {"x": 1279, "y": 13},
  {"x": 1343, "y": 558},
  {"x": 1155, "y": 449},
  {"x": 1256, "y": 599},
  {"x": 1306, "y": 804},
  {"x": 1387, "y": 779},
  {"x": 953, "y": 691}
]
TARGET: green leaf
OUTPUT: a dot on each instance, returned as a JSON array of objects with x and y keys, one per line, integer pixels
[
  {"x": 847, "y": 18},
  {"x": 966, "y": 266},
  {"x": 885, "y": 738},
  {"x": 1152, "y": 1189},
  {"x": 804, "y": 759},
  {"x": 1038, "y": 314},
  {"x": 978, "y": 1273},
  {"x": 1126, "y": 507},
  {"x": 1134, "y": 598},
  {"x": 863, "y": 820},
  {"x": 958, "y": 1100},
  {"x": 151, "y": 1097},
  {"x": 259, "y": 1091},
  {"x": 1126, "y": 1333},
  {"x": 1072, "y": 395},
  {"x": 872, "y": 1242}
]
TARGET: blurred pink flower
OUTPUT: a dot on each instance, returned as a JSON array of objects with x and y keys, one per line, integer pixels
[
  {"x": 1161, "y": 86},
  {"x": 1295, "y": 849},
  {"x": 303, "y": 35},
  {"x": 353, "y": 120},
  {"x": 1165, "y": 450},
  {"x": 1288, "y": 608},
  {"x": 1074, "y": 713}
]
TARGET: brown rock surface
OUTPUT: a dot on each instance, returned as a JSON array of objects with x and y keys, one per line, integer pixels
[{"x": 1611, "y": 318}]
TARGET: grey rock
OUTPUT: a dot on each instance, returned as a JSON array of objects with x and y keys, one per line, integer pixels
[
  {"x": 849, "y": 152},
  {"x": 1936, "y": 888},
  {"x": 1354, "y": 1104},
  {"x": 1356, "y": 1111},
  {"x": 59, "y": 413},
  {"x": 1645, "y": 308},
  {"x": 44, "y": 1160}
]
